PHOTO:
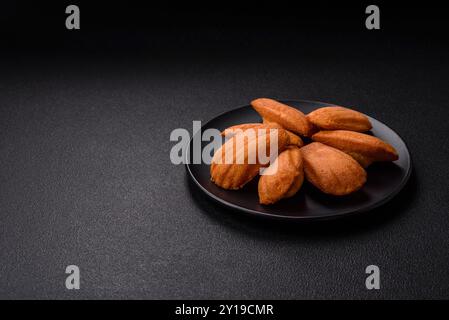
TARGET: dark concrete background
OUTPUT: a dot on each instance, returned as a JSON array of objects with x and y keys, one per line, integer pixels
[{"x": 86, "y": 178}]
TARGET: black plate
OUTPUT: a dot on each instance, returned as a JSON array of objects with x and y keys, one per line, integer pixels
[{"x": 385, "y": 180}]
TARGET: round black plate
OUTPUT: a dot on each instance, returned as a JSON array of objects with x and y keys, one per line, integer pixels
[{"x": 385, "y": 180}]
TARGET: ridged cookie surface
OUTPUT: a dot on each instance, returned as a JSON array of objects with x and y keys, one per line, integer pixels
[{"x": 237, "y": 161}]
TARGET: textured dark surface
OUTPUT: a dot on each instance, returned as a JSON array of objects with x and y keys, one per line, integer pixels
[{"x": 86, "y": 178}]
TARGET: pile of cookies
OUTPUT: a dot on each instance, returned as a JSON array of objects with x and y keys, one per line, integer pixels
[{"x": 334, "y": 162}]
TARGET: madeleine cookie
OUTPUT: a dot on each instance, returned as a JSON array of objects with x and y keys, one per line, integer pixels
[
  {"x": 283, "y": 178},
  {"x": 293, "y": 138},
  {"x": 339, "y": 118},
  {"x": 287, "y": 117},
  {"x": 362, "y": 147},
  {"x": 237, "y": 161},
  {"x": 331, "y": 170}
]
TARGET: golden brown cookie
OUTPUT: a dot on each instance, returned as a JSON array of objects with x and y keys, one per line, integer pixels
[
  {"x": 331, "y": 170},
  {"x": 288, "y": 117},
  {"x": 339, "y": 118},
  {"x": 362, "y": 147},
  {"x": 229, "y": 132},
  {"x": 283, "y": 178},
  {"x": 237, "y": 161},
  {"x": 293, "y": 138}
]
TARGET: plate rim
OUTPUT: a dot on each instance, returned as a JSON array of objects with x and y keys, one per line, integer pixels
[{"x": 261, "y": 214}]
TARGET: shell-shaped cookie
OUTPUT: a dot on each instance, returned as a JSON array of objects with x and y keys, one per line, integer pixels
[
  {"x": 362, "y": 147},
  {"x": 293, "y": 138},
  {"x": 283, "y": 178},
  {"x": 238, "y": 160},
  {"x": 331, "y": 170},
  {"x": 288, "y": 117},
  {"x": 339, "y": 118}
]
